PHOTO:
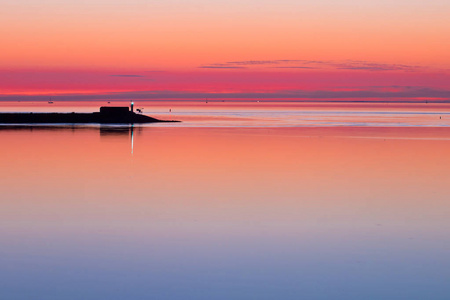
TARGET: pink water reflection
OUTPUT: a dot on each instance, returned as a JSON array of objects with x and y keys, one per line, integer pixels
[{"x": 226, "y": 211}]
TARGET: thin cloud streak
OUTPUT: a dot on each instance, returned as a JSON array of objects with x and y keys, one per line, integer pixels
[
  {"x": 220, "y": 67},
  {"x": 128, "y": 75},
  {"x": 370, "y": 66},
  {"x": 253, "y": 62},
  {"x": 317, "y": 64},
  {"x": 298, "y": 67}
]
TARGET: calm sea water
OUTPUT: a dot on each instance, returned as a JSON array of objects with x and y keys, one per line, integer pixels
[
  {"x": 237, "y": 202},
  {"x": 267, "y": 114}
]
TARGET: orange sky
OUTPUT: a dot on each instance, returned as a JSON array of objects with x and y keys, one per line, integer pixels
[{"x": 191, "y": 38}]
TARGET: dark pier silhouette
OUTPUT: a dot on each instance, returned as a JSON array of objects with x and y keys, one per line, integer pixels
[{"x": 106, "y": 115}]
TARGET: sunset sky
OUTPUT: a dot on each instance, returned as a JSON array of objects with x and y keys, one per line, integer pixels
[{"x": 246, "y": 49}]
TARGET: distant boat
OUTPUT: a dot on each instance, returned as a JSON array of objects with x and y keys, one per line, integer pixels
[{"x": 50, "y": 102}]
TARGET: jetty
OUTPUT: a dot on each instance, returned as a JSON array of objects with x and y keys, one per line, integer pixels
[{"x": 106, "y": 115}]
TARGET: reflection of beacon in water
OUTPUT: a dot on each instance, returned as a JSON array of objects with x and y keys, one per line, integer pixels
[
  {"x": 132, "y": 137},
  {"x": 132, "y": 104}
]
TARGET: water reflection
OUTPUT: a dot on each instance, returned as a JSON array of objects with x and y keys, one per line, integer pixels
[
  {"x": 126, "y": 132},
  {"x": 106, "y": 131},
  {"x": 121, "y": 131},
  {"x": 224, "y": 213}
]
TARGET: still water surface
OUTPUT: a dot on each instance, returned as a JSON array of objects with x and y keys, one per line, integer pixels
[
  {"x": 98, "y": 212},
  {"x": 267, "y": 114}
]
